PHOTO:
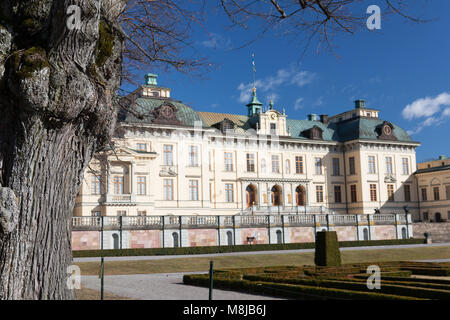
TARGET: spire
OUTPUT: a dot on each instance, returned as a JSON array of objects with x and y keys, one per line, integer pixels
[{"x": 254, "y": 106}]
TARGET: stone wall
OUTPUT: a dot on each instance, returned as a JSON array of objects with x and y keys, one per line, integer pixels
[
  {"x": 164, "y": 231},
  {"x": 439, "y": 231}
]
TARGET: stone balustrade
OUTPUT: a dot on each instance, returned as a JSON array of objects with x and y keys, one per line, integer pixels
[{"x": 159, "y": 222}]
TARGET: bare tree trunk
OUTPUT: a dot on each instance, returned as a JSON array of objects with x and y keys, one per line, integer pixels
[{"x": 57, "y": 84}]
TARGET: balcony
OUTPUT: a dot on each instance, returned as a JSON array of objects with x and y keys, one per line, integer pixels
[{"x": 120, "y": 198}]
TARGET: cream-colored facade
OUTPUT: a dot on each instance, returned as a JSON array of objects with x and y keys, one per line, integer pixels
[
  {"x": 433, "y": 179},
  {"x": 168, "y": 159}
]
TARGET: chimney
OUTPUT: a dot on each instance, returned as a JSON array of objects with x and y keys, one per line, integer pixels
[
  {"x": 360, "y": 104},
  {"x": 324, "y": 118},
  {"x": 312, "y": 117}
]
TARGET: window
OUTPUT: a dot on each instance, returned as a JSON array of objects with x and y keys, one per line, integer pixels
[
  {"x": 193, "y": 156},
  {"x": 275, "y": 164},
  {"x": 263, "y": 166},
  {"x": 228, "y": 161},
  {"x": 142, "y": 213},
  {"x": 299, "y": 165},
  {"x": 121, "y": 213},
  {"x": 273, "y": 128},
  {"x": 389, "y": 165},
  {"x": 337, "y": 194},
  {"x": 141, "y": 147},
  {"x": 168, "y": 189},
  {"x": 96, "y": 213},
  {"x": 447, "y": 192},
  {"x": 373, "y": 192},
  {"x": 168, "y": 155},
  {"x": 353, "y": 196},
  {"x": 336, "y": 168},
  {"x": 390, "y": 192},
  {"x": 436, "y": 193},
  {"x": 424, "y": 194},
  {"x": 288, "y": 167},
  {"x": 351, "y": 164},
  {"x": 95, "y": 184},
  {"x": 407, "y": 190},
  {"x": 250, "y": 162},
  {"x": 405, "y": 165},
  {"x": 319, "y": 194},
  {"x": 229, "y": 192},
  {"x": 141, "y": 185},
  {"x": 118, "y": 184},
  {"x": 372, "y": 167},
  {"x": 193, "y": 190},
  {"x": 318, "y": 165}
]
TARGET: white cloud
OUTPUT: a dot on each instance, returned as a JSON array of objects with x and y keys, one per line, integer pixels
[
  {"x": 426, "y": 107},
  {"x": 430, "y": 109},
  {"x": 216, "y": 41},
  {"x": 318, "y": 102},
  {"x": 288, "y": 76},
  {"x": 298, "y": 104}
]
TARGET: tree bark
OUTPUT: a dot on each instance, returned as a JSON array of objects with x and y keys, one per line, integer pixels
[{"x": 57, "y": 87}]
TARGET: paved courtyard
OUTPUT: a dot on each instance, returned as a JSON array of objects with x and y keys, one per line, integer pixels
[{"x": 167, "y": 286}]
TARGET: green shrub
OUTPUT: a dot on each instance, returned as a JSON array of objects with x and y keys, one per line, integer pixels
[
  {"x": 327, "y": 249},
  {"x": 400, "y": 290},
  {"x": 288, "y": 290}
]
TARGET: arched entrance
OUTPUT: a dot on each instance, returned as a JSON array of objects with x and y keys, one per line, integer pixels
[
  {"x": 300, "y": 196},
  {"x": 115, "y": 237},
  {"x": 403, "y": 233},
  {"x": 276, "y": 195},
  {"x": 229, "y": 238},
  {"x": 250, "y": 192},
  {"x": 279, "y": 237},
  {"x": 175, "y": 240}
]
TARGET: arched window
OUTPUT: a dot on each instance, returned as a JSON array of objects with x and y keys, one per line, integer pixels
[
  {"x": 404, "y": 233},
  {"x": 288, "y": 167},
  {"x": 229, "y": 238},
  {"x": 279, "y": 239},
  {"x": 366, "y": 234},
  {"x": 115, "y": 237},
  {"x": 175, "y": 240}
]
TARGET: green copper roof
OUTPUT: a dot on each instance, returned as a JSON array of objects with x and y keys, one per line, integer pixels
[
  {"x": 296, "y": 127},
  {"x": 255, "y": 100},
  {"x": 365, "y": 128},
  {"x": 145, "y": 105}
]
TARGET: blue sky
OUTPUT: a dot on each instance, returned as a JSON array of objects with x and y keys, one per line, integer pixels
[{"x": 403, "y": 70}]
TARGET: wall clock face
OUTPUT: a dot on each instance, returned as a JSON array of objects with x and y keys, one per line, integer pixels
[
  {"x": 387, "y": 130},
  {"x": 166, "y": 111},
  {"x": 273, "y": 116}
]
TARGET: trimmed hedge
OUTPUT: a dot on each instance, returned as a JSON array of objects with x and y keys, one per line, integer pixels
[
  {"x": 327, "y": 249},
  {"x": 399, "y": 290},
  {"x": 236, "y": 248},
  {"x": 288, "y": 290}
]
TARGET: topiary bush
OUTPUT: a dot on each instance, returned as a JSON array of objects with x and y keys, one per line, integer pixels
[{"x": 327, "y": 249}]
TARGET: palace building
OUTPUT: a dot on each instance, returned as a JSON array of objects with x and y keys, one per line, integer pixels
[
  {"x": 433, "y": 180},
  {"x": 167, "y": 159}
]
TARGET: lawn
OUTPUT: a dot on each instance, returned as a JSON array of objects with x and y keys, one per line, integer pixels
[{"x": 258, "y": 260}]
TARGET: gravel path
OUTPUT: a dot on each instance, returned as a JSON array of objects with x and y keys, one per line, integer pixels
[
  {"x": 96, "y": 259},
  {"x": 167, "y": 286}
]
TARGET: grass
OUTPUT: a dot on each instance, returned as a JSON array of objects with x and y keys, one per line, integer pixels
[
  {"x": 91, "y": 294},
  {"x": 258, "y": 260}
]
